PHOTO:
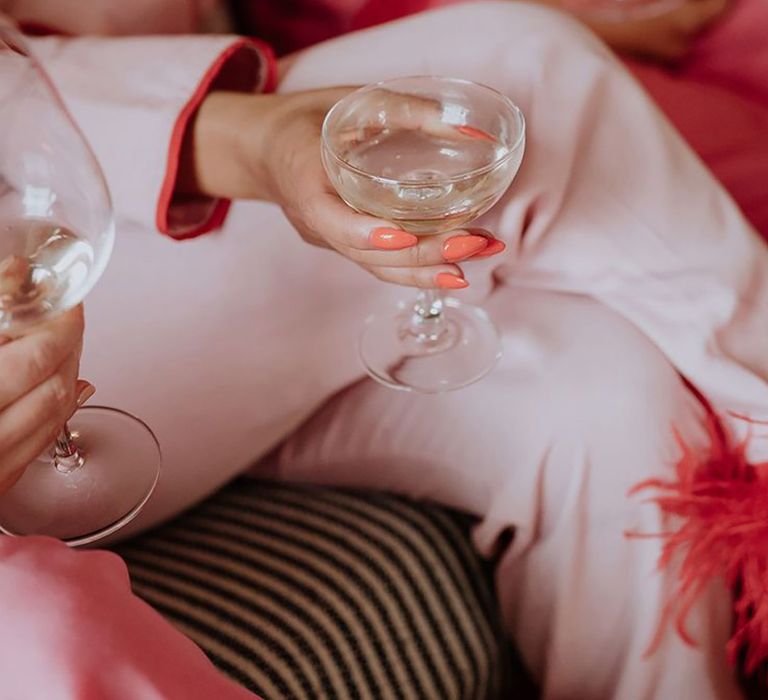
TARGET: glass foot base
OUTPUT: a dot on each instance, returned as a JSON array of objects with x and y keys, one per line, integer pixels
[
  {"x": 119, "y": 472},
  {"x": 466, "y": 350}
]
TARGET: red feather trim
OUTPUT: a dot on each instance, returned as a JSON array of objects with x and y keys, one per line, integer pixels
[{"x": 722, "y": 501}]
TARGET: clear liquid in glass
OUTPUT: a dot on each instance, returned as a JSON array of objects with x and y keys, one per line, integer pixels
[
  {"x": 44, "y": 268},
  {"x": 425, "y": 182}
]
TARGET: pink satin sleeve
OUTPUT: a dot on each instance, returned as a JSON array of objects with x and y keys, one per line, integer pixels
[{"x": 133, "y": 98}]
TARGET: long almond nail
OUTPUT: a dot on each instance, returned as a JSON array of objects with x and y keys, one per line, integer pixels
[
  {"x": 86, "y": 392},
  {"x": 493, "y": 248},
  {"x": 392, "y": 239},
  {"x": 474, "y": 133},
  {"x": 446, "y": 280},
  {"x": 463, "y": 247}
]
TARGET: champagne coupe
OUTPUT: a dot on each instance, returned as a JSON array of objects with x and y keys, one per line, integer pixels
[
  {"x": 56, "y": 235},
  {"x": 430, "y": 154}
]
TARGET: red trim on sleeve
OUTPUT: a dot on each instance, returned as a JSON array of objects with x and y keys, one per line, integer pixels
[
  {"x": 218, "y": 210},
  {"x": 269, "y": 81}
]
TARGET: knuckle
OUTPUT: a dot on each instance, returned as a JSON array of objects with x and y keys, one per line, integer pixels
[
  {"x": 310, "y": 210},
  {"x": 356, "y": 256},
  {"x": 423, "y": 280},
  {"x": 59, "y": 392},
  {"x": 384, "y": 275},
  {"x": 421, "y": 256},
  {"x": 377, "y": 272},
  {"x": 41, "y": 359}
]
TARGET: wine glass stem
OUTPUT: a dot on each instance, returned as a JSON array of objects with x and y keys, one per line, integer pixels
[
  {"x": 427, "y": 321},
  {"x": 66, "y": 456}
]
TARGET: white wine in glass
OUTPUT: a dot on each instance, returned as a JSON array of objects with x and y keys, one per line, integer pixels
[
  {"x": 43, "y": 267},
  {"x": 56, "y": 236},
  {"x": 429, "y": 154}
]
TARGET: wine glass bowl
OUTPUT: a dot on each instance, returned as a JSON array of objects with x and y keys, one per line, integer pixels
[
  {"x": 429, "y": 154},
  {"x": 55, "y": 209}
]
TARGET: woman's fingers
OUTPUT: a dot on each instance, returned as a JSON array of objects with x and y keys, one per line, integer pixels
[
  {"x": 371, "y": 241},
  {"x": 391, "y": 254},
  {"x": 325, "y": 217},
  {"x": 410, "y": 112},
  {"x": 38, "y": 392},
  {"x": 31, "y": 423},
  {"x": 452, "y": 247},
  {"x": 50, "y": 404},
  {"x": 449, "y": 277},
  {"x": 28, "y": 361},
  {"x": 14, "y": 462}
]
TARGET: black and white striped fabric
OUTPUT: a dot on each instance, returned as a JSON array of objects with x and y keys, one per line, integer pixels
[{"x": 318, "y": 593}]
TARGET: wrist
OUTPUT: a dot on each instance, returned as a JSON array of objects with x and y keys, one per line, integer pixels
[{"x": 224, "y": 153}]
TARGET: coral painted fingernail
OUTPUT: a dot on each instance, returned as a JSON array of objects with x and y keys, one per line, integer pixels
[
  {"x": 463, "y": 247},
  {"x": 392, "y": 239},
  {"x": 493, "y": 248},
  {"x": 474, "y": 133},
  {"x": 86, "y": 392},
  {"x": 447, "y": 280}
]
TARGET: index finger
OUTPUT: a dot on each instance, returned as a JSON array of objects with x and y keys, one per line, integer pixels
[
  {"x": 408, "y": 111},
  {"x": 28, "y": 361},
  {"x": 332, "y": 220}
]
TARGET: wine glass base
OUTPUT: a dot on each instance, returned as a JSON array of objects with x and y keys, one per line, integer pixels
[
  {"x": 465, "y": 352},
  {"x": 120, "y": 469}
]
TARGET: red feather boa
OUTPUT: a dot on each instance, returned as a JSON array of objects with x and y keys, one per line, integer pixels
[{"x": 722, "y": 502}]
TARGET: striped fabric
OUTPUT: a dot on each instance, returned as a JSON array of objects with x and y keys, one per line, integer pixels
[{"x": 318, "y": 593}]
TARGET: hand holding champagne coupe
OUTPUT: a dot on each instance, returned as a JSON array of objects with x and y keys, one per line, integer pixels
[
  {"x": 56, "y": 235},
  {"x": 429, "y": 154}
]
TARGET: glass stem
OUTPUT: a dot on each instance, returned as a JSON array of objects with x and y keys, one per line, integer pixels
[
  {"x": 66, "y": 456},
  {"x": 427, "y": 321}
]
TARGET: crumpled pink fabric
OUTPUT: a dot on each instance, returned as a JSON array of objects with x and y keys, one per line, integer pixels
[{"x": 72, "y": 630}]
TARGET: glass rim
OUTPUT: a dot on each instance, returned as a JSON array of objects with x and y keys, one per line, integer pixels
[{"x": 467, "y": 174}]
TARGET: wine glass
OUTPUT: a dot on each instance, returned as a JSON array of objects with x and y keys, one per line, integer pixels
[
  {"x": 56, "y": 235},
  {"x": 430, "y": 154}
]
